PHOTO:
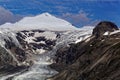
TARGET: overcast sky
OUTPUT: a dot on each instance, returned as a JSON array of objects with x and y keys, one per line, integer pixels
[{"x": 78, "y": 12}]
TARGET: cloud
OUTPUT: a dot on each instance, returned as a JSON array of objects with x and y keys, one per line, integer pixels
[
  {"x": 79, "y": 19},
  {"x": 94, "y": 22},
  {"x": 7, "y": 16}
]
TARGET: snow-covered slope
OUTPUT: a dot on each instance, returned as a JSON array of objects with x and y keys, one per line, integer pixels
[
  {"x": 43, "y": 34},
  {"x": 43, "y": 21},
  {"x": 38, "y": 42},
  {"x": 44, "y": 40}
]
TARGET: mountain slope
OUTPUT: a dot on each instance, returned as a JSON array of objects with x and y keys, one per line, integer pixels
[
  {"x": 22, "y": 47},
  {"x": 43, "y": 21},
  {"x": 37, "y": 39},
  {"x": 96, "y": 58},
  {"x": 12, "y": 55}
]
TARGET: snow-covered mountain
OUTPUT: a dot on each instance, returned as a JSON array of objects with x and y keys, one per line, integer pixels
[
  {"x": 42, "y": 32},
  {"x": 38, "y": 42},
  {"x": 43, "y": 21},
  {"x": 33, "y": 36}
]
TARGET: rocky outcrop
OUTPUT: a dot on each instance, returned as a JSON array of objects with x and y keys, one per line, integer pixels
[
  {"x": 12, "y": 60},
  {"x": 94, "y": 58},
  {"x": 13, "y": 57},
  {"x": 103, "y": 27},
  {"x": 38, "y": 41}
]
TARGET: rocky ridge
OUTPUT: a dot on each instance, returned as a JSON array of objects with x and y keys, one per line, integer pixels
[
  {"x": 12, "y": 55},
  {"x": 96, "y": 58}
]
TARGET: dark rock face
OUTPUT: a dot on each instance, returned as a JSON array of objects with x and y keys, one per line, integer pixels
[
  {"x": 103, "y": 27},
  {"x": 7, "y": 62},
  {"x": 96, "y": 59},
  {"x": 9, "y": 44},
  {"x": 19, "y": 53},
  {"x": 64, "y": 57},
  {"x": 5, "y": 58},
  {"x": 12, "y": 56}
]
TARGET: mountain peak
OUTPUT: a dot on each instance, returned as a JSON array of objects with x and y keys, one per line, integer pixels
[
  {"x": 44, "y": 21},
  {"x": 46, "y": 14}
]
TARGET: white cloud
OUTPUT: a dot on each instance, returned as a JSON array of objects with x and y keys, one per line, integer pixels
[
  {"x": 81, "y": 18},
  {"x": 7, "y": 16},
  {"x": 94, "y": 22}
]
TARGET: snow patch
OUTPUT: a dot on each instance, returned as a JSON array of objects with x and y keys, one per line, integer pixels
[
  {"x": 1, "y": 32},
  {"x": 106, "y": 33},
  {"x": 47, "y": 34},
  {"x": 43, "y": 42},
  {"x": 79, "y": 40},
  {"x": 40, "y": 51},
  {"x": 29, "y": 39},
  {"x": 88, "y": 39},
  {"x": 117, "y": 31}
]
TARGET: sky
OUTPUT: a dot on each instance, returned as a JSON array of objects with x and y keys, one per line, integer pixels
[{"x": 78, "y": 12}]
